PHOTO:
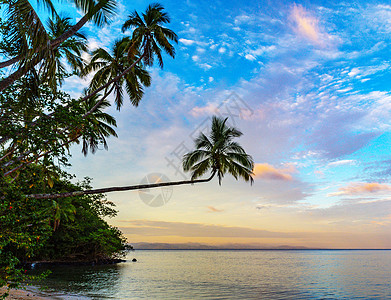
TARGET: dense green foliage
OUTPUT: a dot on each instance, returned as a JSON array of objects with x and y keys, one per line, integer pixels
[
  {"x": 70, "y": 229},
  {"x": 24, "y": 230},
  {"x": 79, "y": 231}
]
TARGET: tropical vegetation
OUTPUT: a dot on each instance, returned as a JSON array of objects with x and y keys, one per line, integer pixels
[{"x": 43, "y": 215}]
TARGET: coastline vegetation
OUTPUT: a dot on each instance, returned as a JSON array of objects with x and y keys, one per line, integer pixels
[
  {"x": 39, "y": 123},
  {"x": 43, "y": 215}
]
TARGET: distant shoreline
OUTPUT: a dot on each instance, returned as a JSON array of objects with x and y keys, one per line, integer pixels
[
  {"x": 237, "y": 246},
  {"x": 249, "y": 249}
]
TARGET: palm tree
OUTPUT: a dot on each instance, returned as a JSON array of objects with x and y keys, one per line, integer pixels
[
  {"x": 98, "y": 124},
  {"x": 109, "y": 65},
  {"x": 218, "y": 154},
  {"x": 61, "y": 211},
  {"x": 149, "y": 36},
  {"x": 27, "y": 31},
  {"x": 152, "y": 39},
  {"x": 71, "y": 49}
]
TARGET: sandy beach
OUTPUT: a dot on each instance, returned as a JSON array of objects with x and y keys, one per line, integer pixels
[{"x": 28, "y": 293}]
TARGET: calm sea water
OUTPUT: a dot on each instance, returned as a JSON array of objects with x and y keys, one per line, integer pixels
[{"x": 307, "y": 274}]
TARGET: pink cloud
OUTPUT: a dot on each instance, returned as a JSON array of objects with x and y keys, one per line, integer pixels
[
  {"x": 362, "y": 188},
  {"x": 214, "y": 209},
  {"x": 307, "y": 26},
  {"x": 268, "y": 172},
  {"x": 209, "y": 109}
]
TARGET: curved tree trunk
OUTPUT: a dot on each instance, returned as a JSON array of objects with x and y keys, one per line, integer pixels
[
  {"x": 118, "y": 189},
  {"x": 53, "y": 44},
  {"x": 10, "y": 62}
]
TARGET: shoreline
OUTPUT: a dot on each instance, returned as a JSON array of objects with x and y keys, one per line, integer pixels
[
  {"x": 28, "y": 292},
  {"x": 48, "y": 263}
]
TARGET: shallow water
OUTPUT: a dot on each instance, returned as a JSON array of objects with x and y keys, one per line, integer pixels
[{"x": 211, "y": 274}]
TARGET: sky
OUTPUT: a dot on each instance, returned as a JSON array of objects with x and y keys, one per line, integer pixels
[{"x": 308, "y": 84}]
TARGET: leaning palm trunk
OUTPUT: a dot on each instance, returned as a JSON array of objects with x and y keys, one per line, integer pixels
[
  {"x": 52, "y": 45},
  {"x": 25, "y": 154},
  {"x": 118, "y": 189},
  {"x": 86, "y": 114},
  {"x": 85, "y": 98}
]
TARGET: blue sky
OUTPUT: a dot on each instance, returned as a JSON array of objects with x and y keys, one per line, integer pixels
[{"x": 310, "y": 81}]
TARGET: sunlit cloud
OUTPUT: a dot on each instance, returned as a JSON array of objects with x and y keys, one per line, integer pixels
[
  {"x": 213, "y": 209},
  {"x": 268, "y": 172},
  {"x": 209, "y": 109},
  {"x": 362, "y": 188},
  {"x": 307, "y": 26}
]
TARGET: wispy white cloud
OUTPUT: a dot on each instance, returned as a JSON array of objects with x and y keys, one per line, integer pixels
[
  {"x": 343, "y": 162},
  {"x": 187, "y": 42}
]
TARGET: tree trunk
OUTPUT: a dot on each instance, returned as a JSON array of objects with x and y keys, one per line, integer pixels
[
  {"x": 118, "y": 189},
  {"x": 53, "y": 44},
  {"x": 26, "y": 163},
  {"x": 9, "y": 62}
]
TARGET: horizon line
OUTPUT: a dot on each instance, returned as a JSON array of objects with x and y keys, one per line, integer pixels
[{"x": 267, "y": 249}]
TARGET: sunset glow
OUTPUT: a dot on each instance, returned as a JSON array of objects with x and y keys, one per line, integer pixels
[{"x": 308, "y": 84}]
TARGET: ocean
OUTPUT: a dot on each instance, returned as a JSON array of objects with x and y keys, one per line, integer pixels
[{"x": 231, "y": 274}]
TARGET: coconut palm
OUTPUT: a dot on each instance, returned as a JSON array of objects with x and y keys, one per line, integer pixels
[
  {"x": 109, "y": 65},
  {"x": 150, "y": 40},
  {"x": 217, "y": 154},
  {"x": 98, "y": 125},
  {"x": 26, "y": 31},
  {"x": 71, "y": 49},
  {"x": 149, "y": 36}
]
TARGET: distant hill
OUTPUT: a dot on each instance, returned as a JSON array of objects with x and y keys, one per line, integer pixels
[{"x": 197, "y": 246}]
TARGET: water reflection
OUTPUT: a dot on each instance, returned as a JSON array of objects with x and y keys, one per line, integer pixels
[
  {"x": 96, "y": 282},
  {"x": 233, "y": 275}
]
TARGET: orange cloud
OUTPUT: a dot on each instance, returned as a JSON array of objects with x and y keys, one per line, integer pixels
[
  {"x": 214, "y": 209},
  {"x": 362, "y": 188},
  {"x": 307, "y": 26},
  {"x": 268, "y": 172}
]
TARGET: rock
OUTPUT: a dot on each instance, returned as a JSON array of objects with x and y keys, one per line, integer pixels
[{"x": 134, "y": 259}]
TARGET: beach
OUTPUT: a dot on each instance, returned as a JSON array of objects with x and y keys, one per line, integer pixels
[{"x": 29, "y": 292}]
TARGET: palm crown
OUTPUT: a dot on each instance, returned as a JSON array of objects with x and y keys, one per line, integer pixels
[
  {"x": 71, "y": 49},
  {"x": 219, "y": 154},
  {"x": 149, "y": 35},
  {"x": 109, "y": 65},
  {"x": 99, "y": 125}
]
